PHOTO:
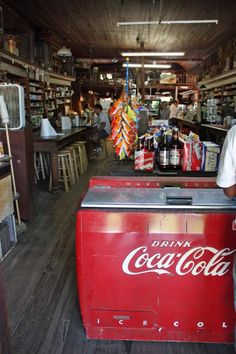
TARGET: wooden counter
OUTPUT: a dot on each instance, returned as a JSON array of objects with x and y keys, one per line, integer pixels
[
  {"x": 187, "y": 123},
  {"x": 53, "y": 144},
  {"x": 215, "y": 133}
]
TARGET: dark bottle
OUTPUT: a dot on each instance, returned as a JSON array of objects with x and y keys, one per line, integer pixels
[
  {"x": 150, "y": 143},
  {"x": 175, "y": 150},
  {"x": 140, "y": 144},
  {"x": 164, "y": 153}
]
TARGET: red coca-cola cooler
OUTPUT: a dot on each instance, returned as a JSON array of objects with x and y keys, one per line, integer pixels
[{"x": 154, "y": 260}]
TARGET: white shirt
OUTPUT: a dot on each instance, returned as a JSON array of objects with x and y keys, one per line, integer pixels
[
  {"x": 103, "y": 118},
  {"x": 227, "y": 166},
  {"x": 173, "y": 111},
  {"x": 87, "y": 115}
]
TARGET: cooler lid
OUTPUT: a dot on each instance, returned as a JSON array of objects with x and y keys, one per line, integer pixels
[{"x": 159, "y": 198}]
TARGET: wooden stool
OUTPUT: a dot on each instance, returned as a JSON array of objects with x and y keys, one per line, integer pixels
[
  {"x": 85, "y": 157},
  {"x": 41, "y": 164},
  {"x": 80, "y": 145},
  {"x": 64, "y": 169},
  {"x": 73, "y": 150},
  {"x": 79, "y": 158},
  {"x": 71, "y": 163}
]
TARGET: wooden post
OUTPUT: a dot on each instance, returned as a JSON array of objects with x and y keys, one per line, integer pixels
[{"x": 142, "y": 74}]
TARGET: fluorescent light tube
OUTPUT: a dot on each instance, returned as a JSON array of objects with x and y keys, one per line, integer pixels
[
  {"x": 189, "y": 22},
  {"x": 165, "y": 22},
  {"x": 152, "y": 54},
  {"x": 160, "y": 66}
]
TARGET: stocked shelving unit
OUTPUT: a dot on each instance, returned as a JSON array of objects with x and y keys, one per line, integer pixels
[
  {"x": 63, "y": 98},
  {"x": 50, "y": 100},
  {"x": 36, "y": 99},
  {"x": 57, "y": 96},
  {"x": 43, "y": 99},
  {"x": 222, "y": 88},
  {"x": 43, "y": 94}
]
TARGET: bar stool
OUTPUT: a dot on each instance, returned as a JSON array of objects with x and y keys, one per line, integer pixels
[
  {"x": 71, "y": 163},
  {"x": 82, "y": 154},
  {"x": 64, "y": 169},
  {"x": 79, "y": 157},
  {"x": 41, "y": 165},
  {"x": 85, "y": 157},
  {"x": 73, "y": 149}
]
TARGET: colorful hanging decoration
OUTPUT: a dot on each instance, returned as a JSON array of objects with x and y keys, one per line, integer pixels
[{"x": 124, "y": 131}]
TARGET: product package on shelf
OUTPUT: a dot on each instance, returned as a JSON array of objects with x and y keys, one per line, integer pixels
[
  {"x": 210, "y": 156},
  {"x": 191, "y": 155},
  {"x": 144, "y": 160}
]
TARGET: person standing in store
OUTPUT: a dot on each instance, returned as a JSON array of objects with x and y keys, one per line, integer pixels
[
  {"x": 112, "y": 108},
  {"x": 226, "y": 179},
  {"x": 173, "y": 111},
  {"x": 103, "y": 122},
  {"x": 164, "y": 111},
  {"x": 55, "y": 120},
  {"x": 87, "y": 114},
  {"x": 103, "y": 127}
]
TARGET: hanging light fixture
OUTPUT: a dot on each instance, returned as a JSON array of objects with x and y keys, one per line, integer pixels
[{"x": 64, "y": 52}]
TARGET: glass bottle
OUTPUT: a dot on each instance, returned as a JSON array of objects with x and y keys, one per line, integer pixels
[
  {"x": 175, "y": 150},
  {"x": 164, "y": 152}
]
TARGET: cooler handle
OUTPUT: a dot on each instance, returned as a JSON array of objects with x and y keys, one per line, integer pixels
[{"x": 179, "y": 200}]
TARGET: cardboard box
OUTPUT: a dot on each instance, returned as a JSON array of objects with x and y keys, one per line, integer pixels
[
  {"x": 210, "y": 156},
  {"x": 191, "y": 156},
  {"x": 144, "y": 160}
]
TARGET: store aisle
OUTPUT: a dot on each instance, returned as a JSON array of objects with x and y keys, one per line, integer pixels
[{"x": 41, "y": 287}]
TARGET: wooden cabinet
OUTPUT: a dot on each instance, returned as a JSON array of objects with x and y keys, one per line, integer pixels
[{"x": 22, "y": 152}]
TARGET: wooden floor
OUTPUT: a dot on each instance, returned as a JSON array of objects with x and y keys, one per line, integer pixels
[{"x": 41, "y": 288}]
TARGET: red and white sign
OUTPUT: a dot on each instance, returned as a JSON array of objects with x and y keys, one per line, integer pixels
[{"x": 208, "y": 261}]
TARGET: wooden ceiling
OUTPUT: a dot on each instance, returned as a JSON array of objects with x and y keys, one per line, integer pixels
[{"x": 90, "y": 26}]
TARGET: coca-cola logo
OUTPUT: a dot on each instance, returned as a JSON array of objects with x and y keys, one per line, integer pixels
[{"x": 208, "y": 261}]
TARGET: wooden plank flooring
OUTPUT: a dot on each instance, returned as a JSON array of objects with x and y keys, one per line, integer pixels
[{"x": 41, "y": 288}]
